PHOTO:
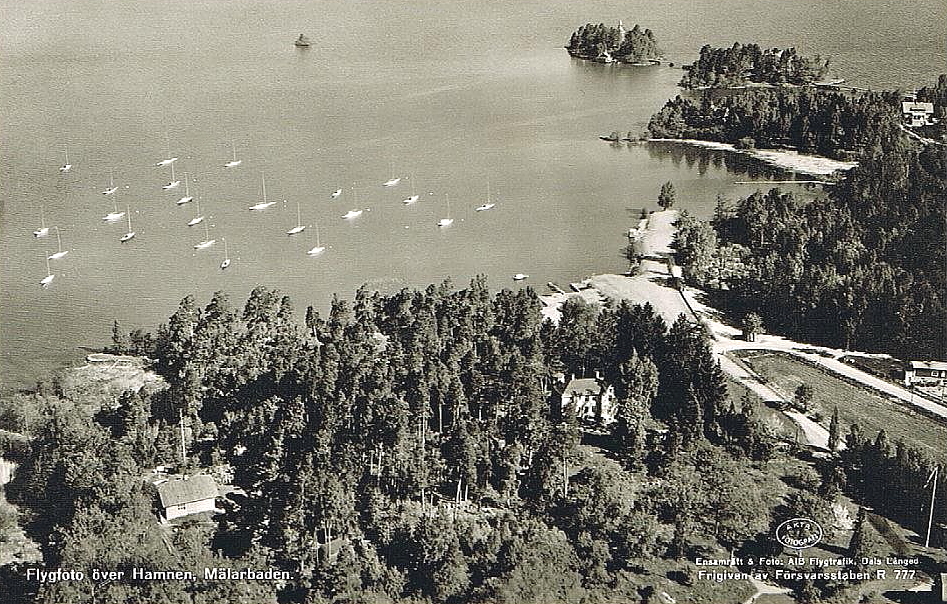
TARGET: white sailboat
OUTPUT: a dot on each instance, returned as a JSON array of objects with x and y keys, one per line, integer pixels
[
  {"x": 393, "y": 180},
  {"x": 199, "y": 218},
  {"x": 203, "y": 245},
  {"x": 45, "y": 281},
  {"x": 488, "y": 205},
  {"x": 226, "y": 261},
  {"x": 413, "y": 198},
  {"x": 319, "y": 247},
  {"x": 446, "y": 222},
  {"x": 336, "y": 193},
  {"x": 187, "y": 193},
  {"x": 169, "y": 160},
  {"x": 234, "y": 162},
  {"x": 130, "y": 234},
  {"x": 174, "y": 183},
  {"x": 263, "y": 204},
  {"x": 66, "y": 166},
  {"x": 61, "y": 253},
  {"x": 299, "y": 228},
  {"x": 43, "y": 230},
  {"x": 112, "y": 188},
  {"x": 520, "y": 277},
  {"x": 115, "y": 214},
  {"x": 353, "y": 213}
]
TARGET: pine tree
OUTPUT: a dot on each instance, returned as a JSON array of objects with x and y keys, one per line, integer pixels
[
  {"x": 667, "y": 196},
  {"x": 834, "y": 434}
]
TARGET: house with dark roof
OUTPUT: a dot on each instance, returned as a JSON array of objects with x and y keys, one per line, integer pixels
[
  {"x": 188, "y": 495},
  {"x": 590, "y": 398}
]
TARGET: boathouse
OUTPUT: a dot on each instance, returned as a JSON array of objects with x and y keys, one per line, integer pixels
[{"x": 188, "y": 495}]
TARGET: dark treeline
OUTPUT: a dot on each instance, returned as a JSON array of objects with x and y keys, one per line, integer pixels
[
  {"x": 744, "y": 63},
  {"x": 350, "y": 435},
  {"x": 937, "y": 94},
  {"x": 632, "y": 46},
  {"x": 814, "y": 121}
]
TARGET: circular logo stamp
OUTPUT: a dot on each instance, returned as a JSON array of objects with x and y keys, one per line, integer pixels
[{"x": 799, "y": 533}]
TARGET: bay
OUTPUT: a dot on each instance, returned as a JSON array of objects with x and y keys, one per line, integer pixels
[{"x": 458, "y": 93}]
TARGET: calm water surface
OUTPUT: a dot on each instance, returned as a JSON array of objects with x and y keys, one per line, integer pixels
[{"x": 466, "y": 96}]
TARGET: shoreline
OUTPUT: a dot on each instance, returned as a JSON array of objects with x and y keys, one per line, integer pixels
[{"x": 793, "y": 161}]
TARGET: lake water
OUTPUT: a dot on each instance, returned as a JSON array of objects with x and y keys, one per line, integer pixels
[{"x": 467, "y": 96}]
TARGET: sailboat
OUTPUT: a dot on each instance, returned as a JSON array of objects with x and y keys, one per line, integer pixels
[
  {"x": 60, "y": 253},
  {"x": 391, "y": 181},
  {"x": 174, "y": 183},
  {"x": 263, "y": 204},
  {"x": 299, "y": 228},
  {"x": 488, "y": 205},
  {"x": 226, "y": 261},
  {"x": 114, "y": 215},
  {"x": 353, "y": 213},
  {"x": 45, "y": 281},
  {"x": 203, "y": 245},
  {"x": 319, "y": 248},
  {"x": 336, "y": 193},
  {"x": 199, "y": 218},
  {"x": 43, "y": 230},
  {"x": 520, "y": 277},
  {"x": 66, "y": 166},
  {"x": 187, "y": 193},
  {"x": 169, "y": 160},
  {"x": 234, "y": 162},
  {"x": 446, "y": 222},
  {"x": 130, "y": 234},
  {"x": 112, "y": 188},
  {"x": 408, "y": 201}
]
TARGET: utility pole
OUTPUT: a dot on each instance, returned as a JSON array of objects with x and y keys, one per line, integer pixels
[
  {"x": 183, "y": 449},
  {"x": 930, "y": 518}
]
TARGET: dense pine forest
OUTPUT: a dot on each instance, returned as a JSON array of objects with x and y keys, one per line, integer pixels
[
  {"x": 813, "y": 121},
  {"x": 404, "y": 448},
  {"x": 597, "y": 41},
  {"x": 742, "y": 64}
]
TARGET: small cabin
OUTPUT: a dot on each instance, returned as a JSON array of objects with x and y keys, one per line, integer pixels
[
  {"x": 188, "y": 495},
  {"x": 925, "y": 373}
]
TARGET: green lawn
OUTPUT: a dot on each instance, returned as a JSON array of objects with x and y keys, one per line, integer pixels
[{"x": 856, "y": 405}]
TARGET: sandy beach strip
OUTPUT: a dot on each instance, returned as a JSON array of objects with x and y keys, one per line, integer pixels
[{"x": 814, "y": 165}]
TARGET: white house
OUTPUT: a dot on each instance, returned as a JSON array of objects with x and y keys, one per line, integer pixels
[
  {"x": 931, "y": 373},
  {"x": 187, "y": 495},
  {"x": 917, "y": 114},
  {"x": 591, "y": 398}
]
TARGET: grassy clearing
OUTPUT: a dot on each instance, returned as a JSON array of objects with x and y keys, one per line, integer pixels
[{"x": 856, "y": 405}]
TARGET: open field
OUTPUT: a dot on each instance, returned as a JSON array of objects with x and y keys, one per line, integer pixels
[{"x": 856, "y": 405}]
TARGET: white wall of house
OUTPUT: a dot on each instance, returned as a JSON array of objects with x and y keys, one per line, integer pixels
[{"x": 194, "y": 507}]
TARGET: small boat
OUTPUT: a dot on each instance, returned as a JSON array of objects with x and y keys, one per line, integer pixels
[
  {"x": 336, "y": 193},
  {"x": 45, "y": 281},
  {"x": 169, "y": 160},
  {"x": 488, "y": 205},
  {"x": 226, "y": 261},
  {"x": 66, "y": 166},
  {"x": 234, "y": 162},
  {"x": 299, "y": 228},
  {"x": 114, "y": 215},
  {"x": 43, "y": 230},
  {"x": 352, "y": 214},
  {"x": 263, "y": 204},
  {"x": 197, "y": 219},
  {"x": 319, "y": 248},
  {"x": 174, "y": 183},
  {"x": 520, "y": 277},
  {"x": 446, "y": 222},
  {"x": 112, "y": 188},
  {"x": 391, "y": 182},
  {"x": 130, "y": 234},
  {"x": 187, "y": 193},
  {"x": 207, "y": 242},
  {"x": 61, "y": 253},
  {"x": 413, "y": 198},
  {"x": 302, "y": 42}
]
